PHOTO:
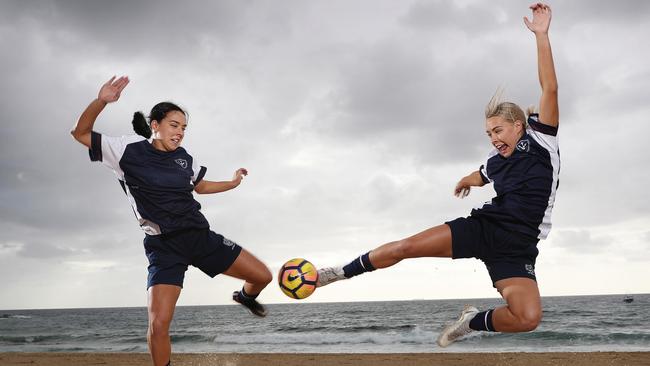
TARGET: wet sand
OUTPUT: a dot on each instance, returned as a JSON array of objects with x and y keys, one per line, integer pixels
[{"x": 322, "y": 359}]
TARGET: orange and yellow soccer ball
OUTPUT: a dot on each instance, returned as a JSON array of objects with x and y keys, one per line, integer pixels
[{"x": 297, "y": 278}]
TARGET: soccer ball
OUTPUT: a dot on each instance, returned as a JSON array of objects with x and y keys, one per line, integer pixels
[{"x": 297, "y": 278}]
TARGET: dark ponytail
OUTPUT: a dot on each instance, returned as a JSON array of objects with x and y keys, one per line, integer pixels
[
  {"x": 140, "y": 125},
  {"x": 158, "y": 113}
]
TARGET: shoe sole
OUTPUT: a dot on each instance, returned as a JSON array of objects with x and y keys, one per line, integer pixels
[
  {"x": 261, "y": 315},
  {"x": 460, "y": 320}
]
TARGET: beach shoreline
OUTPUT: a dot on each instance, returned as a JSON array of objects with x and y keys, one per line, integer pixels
[{"x": 322, "y": 359}]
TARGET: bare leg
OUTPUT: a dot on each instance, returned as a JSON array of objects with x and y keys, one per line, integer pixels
[
  {"x": 522, "y": 314},
  {"x": 524, "y": 310},
  {"x": 250, "y": 269},
  {"x": 161, "y": 305},
  {"x": 433, "y": 242}
]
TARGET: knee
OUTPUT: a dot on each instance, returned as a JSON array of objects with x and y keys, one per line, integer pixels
[
  {"x": 260, "y": 276},
  {"x": 265, "y": 276},
  {"x": 529, "y": 319},
  {"x": 159, "y": 326},
  {"x": 404, "y": 248}
]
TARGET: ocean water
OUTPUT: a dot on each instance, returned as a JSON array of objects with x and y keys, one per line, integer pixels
[{"x": 570, "y": 324}]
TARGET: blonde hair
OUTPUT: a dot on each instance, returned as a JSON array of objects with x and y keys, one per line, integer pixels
[{"x": 508, "y": 110}]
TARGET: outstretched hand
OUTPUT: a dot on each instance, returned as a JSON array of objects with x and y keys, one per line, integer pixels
[
  {"x": 541, "y": 18},
  {"x": 239, "y": 175},
  {"x": 111, "y": 90},
  {"x": 462, "y": 189}
]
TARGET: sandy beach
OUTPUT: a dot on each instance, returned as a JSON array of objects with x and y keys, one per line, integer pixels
[{"x": 314, "y": 359}]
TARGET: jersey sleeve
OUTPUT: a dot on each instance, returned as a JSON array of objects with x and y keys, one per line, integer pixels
[
  {"x": 198, "y": 172},
  {"x": 544, "y": 134},
  {"x": 485, "y": 175},
  {"x": 109, "y": 150},
  {"x": 536, "y": 125}
]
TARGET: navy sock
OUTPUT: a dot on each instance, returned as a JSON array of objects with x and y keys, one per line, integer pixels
[
  {"x": 247, "y": 296},
  {"x": 358, "y": 266},
  {"x": 483, "y": 321}
]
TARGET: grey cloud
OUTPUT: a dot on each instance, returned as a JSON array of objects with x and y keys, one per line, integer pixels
[
  {"x": 437, "y": 15},
  {"x": 582, "y": 241},
  {"x": 98, "y": 238},
  {"x": 373, "y": 92},
  {"x": 44, "y": 250},
  {"x": 393, "y": 92},
  {"x": 618, "y": 12},
  {"x": 55, "y": 195},
  {"x": 480, "y": 16},
  {"x": 158, "y": 29}
]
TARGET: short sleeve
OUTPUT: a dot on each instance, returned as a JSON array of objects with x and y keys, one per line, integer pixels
[
  {"x": 198, "y": 172},
  {"x": 544, "y": 134},
  {"x": 535, "y": 124},
  {"x": 108, "y": 149},
  {"x": 484, "y": 174},
  {"x": 483, "y": 170}
]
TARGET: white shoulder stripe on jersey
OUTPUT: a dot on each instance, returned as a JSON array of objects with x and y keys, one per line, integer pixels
[
  {"x": 113, "y": 149},
  {"x": 550, "y": 143}
]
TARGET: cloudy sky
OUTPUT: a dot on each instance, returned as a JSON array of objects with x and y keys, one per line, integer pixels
[{"x": 355, "y": 120}]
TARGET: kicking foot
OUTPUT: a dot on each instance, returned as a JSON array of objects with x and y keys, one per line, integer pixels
[
  {"x": 459, "y": 328},
  {"x": 328, "y": 275},
  {"x": 251, "y": 304}
]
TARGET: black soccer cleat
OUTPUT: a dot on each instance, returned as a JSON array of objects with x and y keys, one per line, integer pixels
[{"x": 251, "y": 304}]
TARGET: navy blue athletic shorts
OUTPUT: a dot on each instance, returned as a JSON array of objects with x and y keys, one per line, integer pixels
[
  {"x": 506, "y": 254},
  {"x": 170, "y": 254}
]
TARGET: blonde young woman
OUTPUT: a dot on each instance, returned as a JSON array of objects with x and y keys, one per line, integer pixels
[
  {"x": 524, "y": 168},
  {"x": 158, "y": 177}
]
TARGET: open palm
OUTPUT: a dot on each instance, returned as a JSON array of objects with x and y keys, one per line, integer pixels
[
  {"x": 111, "y": 90},
  {"x": 541, "y": 18}
]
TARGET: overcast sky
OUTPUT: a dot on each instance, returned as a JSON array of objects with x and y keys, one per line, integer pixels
[{"x": 355, "y": 120}]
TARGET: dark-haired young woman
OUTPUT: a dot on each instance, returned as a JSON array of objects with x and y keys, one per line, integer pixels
[{"x": 158, "y": 177}]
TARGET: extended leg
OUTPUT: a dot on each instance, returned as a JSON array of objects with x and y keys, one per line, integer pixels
[{"x": 433, "y": 242}]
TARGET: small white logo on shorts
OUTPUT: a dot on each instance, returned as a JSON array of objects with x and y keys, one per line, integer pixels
[
  {"x": 523, "y": 145},
  {"x": 530, "y": 269},
  {"x": 227, "y": 242},
  {"x": 181, "y": 162}
]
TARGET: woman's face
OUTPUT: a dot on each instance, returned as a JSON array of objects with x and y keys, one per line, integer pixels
[
  {"x": 168, "y": 133},
  {"x": 504, "y": 134}
]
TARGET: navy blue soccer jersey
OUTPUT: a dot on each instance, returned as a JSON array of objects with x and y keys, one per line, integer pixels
[
  {"x": 525, "y": 182},
  {"x": 158, "y": 184}
]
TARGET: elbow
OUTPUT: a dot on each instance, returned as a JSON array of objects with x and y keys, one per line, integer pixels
[
  {"x": 81, "y": 137},
  {"x": 75, "y": 134},
  {"x": 200, "y": 188},
  {"x": 550, "y": 88}
]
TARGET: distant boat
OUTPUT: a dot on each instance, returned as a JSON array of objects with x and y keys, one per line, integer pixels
[{"x": 628, "y": 299}]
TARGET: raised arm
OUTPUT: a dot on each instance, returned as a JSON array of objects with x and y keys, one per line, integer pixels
[
  {"x": 109, "y": 93},
  {"x": 548, "y": 105}
]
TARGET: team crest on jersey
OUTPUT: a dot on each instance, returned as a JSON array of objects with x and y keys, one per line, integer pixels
[
  {"x": 523, "y": 145},
  {"x": 229, "y": 243},
  {"x": 181, "y": 162},
  {"x": 530, "y": 269}
]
